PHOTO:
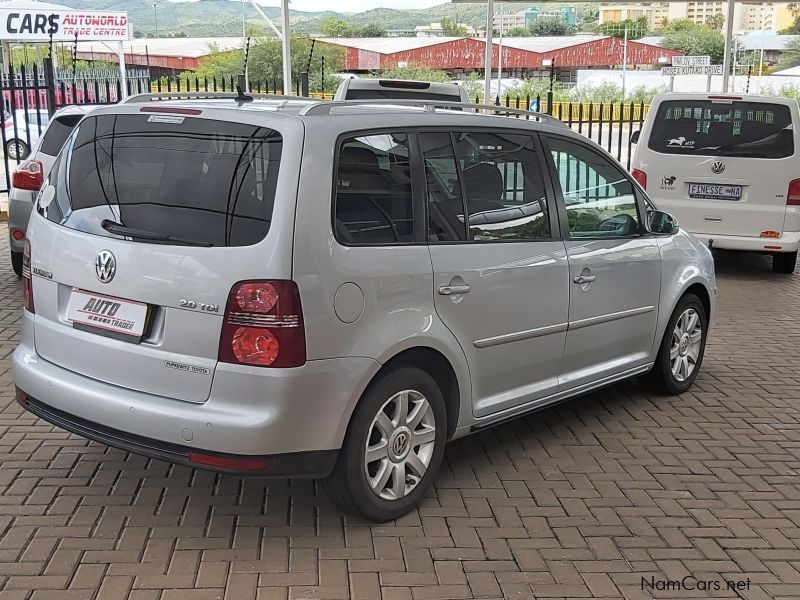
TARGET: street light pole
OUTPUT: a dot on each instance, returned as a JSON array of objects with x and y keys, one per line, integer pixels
[
  {"x": 726, "y": 61},
  {"x": 624, "y": 62},
  {"x": 487, "y": 61},
  {"x": 155, "y": 13}
]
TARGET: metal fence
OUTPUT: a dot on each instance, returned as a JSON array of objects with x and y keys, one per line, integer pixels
[{"x": 31, "y": 94}]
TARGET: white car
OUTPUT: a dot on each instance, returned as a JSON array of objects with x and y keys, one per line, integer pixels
[
  {"x": 728, "y": 166},
  {"x": 28, "y": 177},
  {"x": 24, "y": 131},
  {"x": 400, "y": 89}
]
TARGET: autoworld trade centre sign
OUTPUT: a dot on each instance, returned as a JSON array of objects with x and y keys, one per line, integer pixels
[{"x": 38, "y": 25}]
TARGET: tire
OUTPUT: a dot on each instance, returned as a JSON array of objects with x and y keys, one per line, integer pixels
[
  {"x": 662, "y": 378},
  {"x": 16, "y": 262},
  {"x": 17, "y": 149},
  {"x": 348, "y": 486},
  {"x": 784, "y": 262}
]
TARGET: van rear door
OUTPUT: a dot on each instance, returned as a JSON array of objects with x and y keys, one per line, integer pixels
[
  {"x": 722, "y": 165},
  {"x": 148, "y": 222}
]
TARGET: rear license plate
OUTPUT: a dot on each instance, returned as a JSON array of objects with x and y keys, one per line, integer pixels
[
  {"x": 114, "y": 316},
  {"x": 715, "y": 191}
]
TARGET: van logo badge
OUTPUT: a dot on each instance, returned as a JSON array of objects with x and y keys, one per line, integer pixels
[
  {"x": 105, "y": 266},
  {"x": 717, "y": 167}
]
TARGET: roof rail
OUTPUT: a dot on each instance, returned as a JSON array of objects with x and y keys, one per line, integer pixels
[
  {"x": 154, "y": 96},
  {"x": 326, "y": 106}
]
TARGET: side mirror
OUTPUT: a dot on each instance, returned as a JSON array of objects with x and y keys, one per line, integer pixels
[
  {"x": 661, "y": 223},
  {"x": 635, "y": 136}
]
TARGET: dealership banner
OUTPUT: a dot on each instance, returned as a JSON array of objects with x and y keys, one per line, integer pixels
[{"x": 37, "y": 25}]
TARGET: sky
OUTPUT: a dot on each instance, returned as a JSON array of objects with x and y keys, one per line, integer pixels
[{"x": 349, "y": 5}]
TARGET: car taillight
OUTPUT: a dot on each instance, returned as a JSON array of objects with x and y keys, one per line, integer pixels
[
  {"x": 27, "y": 283},
  {"x": 640, "y": 177},
  {"x": 28, "y": 176},
  {"x": 263, "y": 325},
  {"x": 793, "y": 195}
]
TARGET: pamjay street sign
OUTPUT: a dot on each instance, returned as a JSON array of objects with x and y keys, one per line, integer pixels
[{"x": 38, "y": 25}]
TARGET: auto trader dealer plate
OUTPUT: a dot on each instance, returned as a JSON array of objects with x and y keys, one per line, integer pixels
[{"x": 111, "y": 314}]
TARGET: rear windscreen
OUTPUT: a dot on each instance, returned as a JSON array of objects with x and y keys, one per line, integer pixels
[
  {"x": 401, "y": 94},
  {"x": 58, "y": 132},
  {"x": 166, "y": 179},
  {"x": 708, "y": 128}
]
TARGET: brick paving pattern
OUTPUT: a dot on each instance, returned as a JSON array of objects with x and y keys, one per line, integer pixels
[{"x": 582, "y": 500}]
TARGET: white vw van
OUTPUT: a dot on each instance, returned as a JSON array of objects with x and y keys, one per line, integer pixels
[{"x": 728, "y": 167}]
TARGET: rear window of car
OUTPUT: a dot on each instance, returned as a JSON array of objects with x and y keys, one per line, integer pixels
[
  {"x": 384, "y": 94},
  {"x": 709, "y": 128},
  {"x": 57, "y": 133},
  {"x": 166, "y": 179}
]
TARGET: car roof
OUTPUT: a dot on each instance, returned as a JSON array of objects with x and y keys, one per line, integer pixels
[{"x": 344, "y": 115}]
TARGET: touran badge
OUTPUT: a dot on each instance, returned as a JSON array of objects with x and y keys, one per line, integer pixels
[
  {"x": 105, "y": 266},
  {"x": 717, "y": 167}
]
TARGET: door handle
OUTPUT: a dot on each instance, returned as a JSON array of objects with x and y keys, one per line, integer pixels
[
  {"x": 452, "y": 290},
  {"x": 582, "y": 279}
]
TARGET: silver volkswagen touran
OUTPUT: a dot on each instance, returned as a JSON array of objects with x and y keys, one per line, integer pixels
[{"x": 336, "y": 289}]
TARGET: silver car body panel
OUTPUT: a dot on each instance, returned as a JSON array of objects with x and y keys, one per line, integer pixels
[{"x": 362, "y": 307}]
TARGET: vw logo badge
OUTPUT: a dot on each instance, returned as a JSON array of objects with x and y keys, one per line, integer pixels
[
  {"x": 400, "y": 444},
  {"x": 717, "y": 167},
  {"x": 105, "y": 266}
]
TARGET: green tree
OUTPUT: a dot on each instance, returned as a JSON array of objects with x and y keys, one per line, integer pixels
[
  {"x": 636, "y": 28},
  {"x": 371, "y": 30},
  {"x": 333, "y": 27},
  {"x": 453, "y": 29},
  {"x": 266, "y": 63},
  {"x": 550, "y": 26},
  {"x": 716, "y": 21},
  {"x": 700, "y": 40},
  {"x": 415, "y": 72},
  {"x": 791, "y": 55},
  {"x": 679, "y": 25},
  {"x": 518, "y": 32}
]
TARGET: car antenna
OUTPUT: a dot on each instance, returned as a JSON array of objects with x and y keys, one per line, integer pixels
[{"x": 242, "y": 97}]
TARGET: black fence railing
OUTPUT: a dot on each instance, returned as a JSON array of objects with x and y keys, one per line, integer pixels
[{"x": 31, "y": 94}]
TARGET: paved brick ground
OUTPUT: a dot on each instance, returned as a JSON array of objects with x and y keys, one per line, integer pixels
[{"x": 583, "y": 500}]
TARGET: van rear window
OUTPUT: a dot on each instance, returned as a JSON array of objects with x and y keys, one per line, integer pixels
[
  {"x": 402, "y": 94},
  {"x": 737, "y": 128},
  {"x": 166, "y": 179}
]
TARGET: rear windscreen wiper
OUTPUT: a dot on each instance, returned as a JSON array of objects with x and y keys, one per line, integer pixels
[{"x": 119, "y": 229}]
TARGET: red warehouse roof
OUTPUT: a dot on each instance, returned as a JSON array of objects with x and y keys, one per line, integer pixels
[
  {"x": 579, "y": 51},
  {"x": 374, "y": 54}
]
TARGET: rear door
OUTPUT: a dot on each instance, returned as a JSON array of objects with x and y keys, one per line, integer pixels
[
  {"x": 499, "y": 265},
  {"x": 722, "y": 166},
  {"x": 148, "y": 222}
]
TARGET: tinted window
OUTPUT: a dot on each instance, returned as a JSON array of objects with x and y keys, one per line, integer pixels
[
  {"x": 599, "y": 197},
  {"x": 373, "y": 191},
  {"x": 503, "y": 186},
  {"x": 703, "y": 127},
  {"x": 445, "y": 202},
  {"x": 193, "y": 180},
  {"x": 57, "y": 134},
  {"x": 385, "y": 94}
]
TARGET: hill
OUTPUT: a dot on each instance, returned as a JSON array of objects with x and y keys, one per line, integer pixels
[{"x": 223, "y": 17}]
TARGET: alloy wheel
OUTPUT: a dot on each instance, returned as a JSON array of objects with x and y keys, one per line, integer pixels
[
  {"x": 687, "y": 340},
  {"x": 400, "y": 445}
]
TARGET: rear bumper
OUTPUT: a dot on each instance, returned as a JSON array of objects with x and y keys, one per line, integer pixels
[
  {"x": 250, "y": 412},
  {"x": 313, "y": 464},
  {"x": 788, "y": 242}
]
